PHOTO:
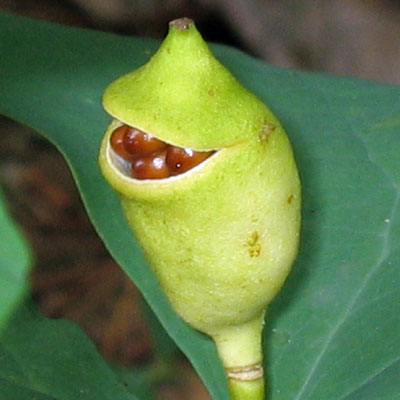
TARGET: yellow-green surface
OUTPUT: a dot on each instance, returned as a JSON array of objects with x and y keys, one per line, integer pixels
[
  {"x": 222, "y": 237},
  {"x": 247, "y": 390},
  {"x": 184, "y": 96}
]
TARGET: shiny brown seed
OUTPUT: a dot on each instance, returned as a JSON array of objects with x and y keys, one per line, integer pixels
[
  {"x": 116, "y": 141},
  {"x": 137, "y": 142},
  {"x": 182, "y": 159},
  {"x": 152, "y": 166}
]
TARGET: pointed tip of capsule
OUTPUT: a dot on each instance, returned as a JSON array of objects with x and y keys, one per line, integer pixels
[{"x": 182, "y": 24}]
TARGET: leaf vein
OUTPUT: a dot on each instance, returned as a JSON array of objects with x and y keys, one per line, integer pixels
[{"x": 383, "y": 255}]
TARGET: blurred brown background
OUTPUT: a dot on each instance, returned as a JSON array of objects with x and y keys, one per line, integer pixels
[{"x": 74, "y": 276}]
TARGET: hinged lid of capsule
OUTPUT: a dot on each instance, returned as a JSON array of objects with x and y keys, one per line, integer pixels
[{"x": 184, "y": 96}]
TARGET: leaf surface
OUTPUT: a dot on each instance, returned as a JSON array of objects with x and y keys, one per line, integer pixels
[
  {"x": 43, "y": 359},
  {"x": 15, "y": 261},
  {"x": 332, "y": 333}
]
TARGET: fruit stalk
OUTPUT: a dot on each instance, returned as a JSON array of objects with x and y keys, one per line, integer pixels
[{"x": 240, "y": 350}]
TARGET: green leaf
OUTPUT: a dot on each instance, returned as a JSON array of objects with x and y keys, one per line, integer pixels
[
  {"x": 337, "y": 321},
  {"x": 15, "y": 261},
  {"x": 57, "y": 91},
  {"x": 333, "y": 331},
  {"x": 138, "y": 381},
  {"x": 42, "y": 359},
  {"x": 52, "y": 360},
  {"x": 163, "y": 346}
]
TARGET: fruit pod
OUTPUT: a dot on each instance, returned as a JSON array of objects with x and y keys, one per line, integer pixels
[{"x": 222, "y": 235}]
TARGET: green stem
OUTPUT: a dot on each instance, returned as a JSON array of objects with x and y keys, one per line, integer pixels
[
  {"x": 247, "y": 390},
  {"x": 240, "y": 350}
]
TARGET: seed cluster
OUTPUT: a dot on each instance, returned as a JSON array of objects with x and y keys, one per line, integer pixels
[{"x": 151, "y": 158}]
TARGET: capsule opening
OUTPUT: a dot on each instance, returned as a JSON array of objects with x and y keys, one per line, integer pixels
[{"x": 141, "y": 156}]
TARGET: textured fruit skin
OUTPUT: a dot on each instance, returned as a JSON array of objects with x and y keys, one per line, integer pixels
[
  {"x": 221, "y": 238},
  {"x": 185, "y": 96}
]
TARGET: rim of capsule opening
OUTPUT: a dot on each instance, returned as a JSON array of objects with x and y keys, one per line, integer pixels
[{"x": 142, "y": 157}]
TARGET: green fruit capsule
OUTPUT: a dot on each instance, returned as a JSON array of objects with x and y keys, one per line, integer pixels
[{"x": 221, "y": 236}]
